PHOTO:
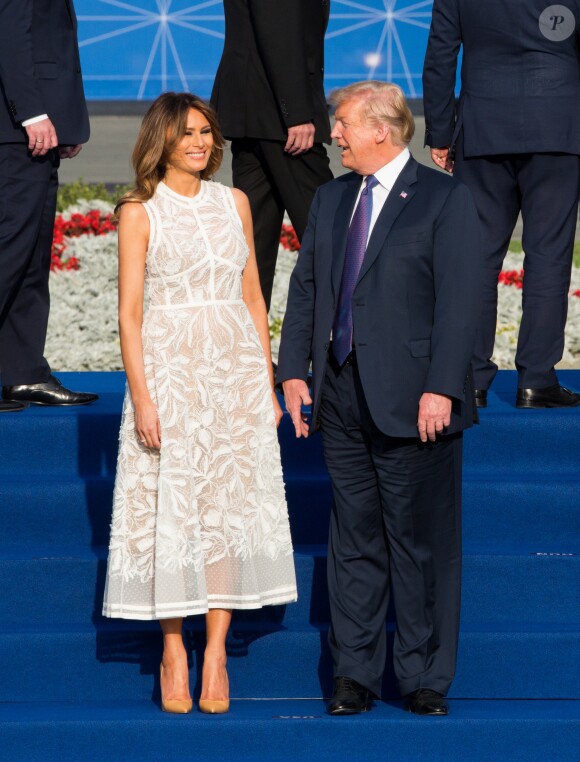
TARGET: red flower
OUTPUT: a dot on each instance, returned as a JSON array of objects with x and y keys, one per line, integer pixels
[
  {"x": 511, "y": 278},
  {"x": 289, "y": 239},
  {"x": 92, "y": 223}
]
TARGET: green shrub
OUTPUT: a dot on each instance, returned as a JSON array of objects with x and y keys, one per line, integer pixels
[{"x": 70, "y": 193}]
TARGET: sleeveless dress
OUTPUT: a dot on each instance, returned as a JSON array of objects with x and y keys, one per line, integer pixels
[{"x": 203, "y": 522}]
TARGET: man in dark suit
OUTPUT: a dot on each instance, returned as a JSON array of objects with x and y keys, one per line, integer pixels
[
  {"x": 43, "y": 119},
  {"x": 383, "y": 302},
  {"x": 516, "y": 139},
  {"x": 269, "y": 96}
]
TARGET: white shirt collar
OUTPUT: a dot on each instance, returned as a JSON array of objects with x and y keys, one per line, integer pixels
[{"x": 387, "y": 175}]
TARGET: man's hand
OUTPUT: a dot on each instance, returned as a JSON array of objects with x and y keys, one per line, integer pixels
[
  {"x": 300, "y": 138},
  {"x": 434, "y": 415},
  {"x": 69, "y": 152},
  {"x": 296, "y": 394},
  {"x": 41, "y": 137},
  {"x": 442, "y": 158}
]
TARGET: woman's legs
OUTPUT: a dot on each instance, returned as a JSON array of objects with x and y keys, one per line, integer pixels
[
  {"x": 214, "y": 681},
  {"x": 175, "y": 672}
]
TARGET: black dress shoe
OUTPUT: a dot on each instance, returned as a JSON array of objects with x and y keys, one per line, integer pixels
[
  {"x": 349, "y": 697},
  {"x": 426, "y": 702},
  {"x": 52, "y": 392},
  {"x": 550, "y": 396},
  {"x": 7, "y": 406},
  {"x": 481, "y": 397}
]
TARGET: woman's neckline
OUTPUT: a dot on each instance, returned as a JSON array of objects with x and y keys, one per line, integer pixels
[{"x": 174, "y": 193}]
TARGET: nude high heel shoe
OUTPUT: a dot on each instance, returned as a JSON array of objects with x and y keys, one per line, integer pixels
[
  {"x": 214, "y": 706},
  {"x": 175, "y": 706},
  {"x": 208, "y": 706}
]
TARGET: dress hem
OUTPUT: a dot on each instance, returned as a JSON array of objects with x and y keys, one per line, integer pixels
[{"x": 144, "y": 613}]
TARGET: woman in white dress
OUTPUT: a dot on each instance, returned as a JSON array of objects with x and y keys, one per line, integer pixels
[{"x": 200, "y": 523}]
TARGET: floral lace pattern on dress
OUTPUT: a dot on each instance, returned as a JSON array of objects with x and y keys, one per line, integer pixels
[{"x": 202, "y": 523}]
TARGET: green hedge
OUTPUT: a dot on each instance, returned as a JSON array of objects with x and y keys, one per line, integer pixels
[{"x": 70, "y": 193}]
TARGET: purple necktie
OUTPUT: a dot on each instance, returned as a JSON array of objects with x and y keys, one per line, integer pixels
[{"x": 356, "y": 245}]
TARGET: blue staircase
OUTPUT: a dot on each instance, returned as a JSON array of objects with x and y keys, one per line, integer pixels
[{"x": 76, "y": 686}]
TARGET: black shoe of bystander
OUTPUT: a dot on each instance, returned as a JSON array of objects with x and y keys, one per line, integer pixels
[
  {"x": 481, "y": 397},
  {"x": 550, "y": 396},
  {"x": 52, "y": 392}
]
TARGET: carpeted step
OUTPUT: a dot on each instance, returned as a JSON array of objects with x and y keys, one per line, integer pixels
[
  {"x": 121, "y": 662},
  {"x": 538, "y": 512},
  {"x": 65, "y": 585},
  {"x": 282, "y": 730},
  {"x": 520, "y": 618},
  {"x": 84, "y": 440},
  {"x": 61, "y": 441},
  {"x": 502, "y": 394},
  {"x": 44, "y": 512}
]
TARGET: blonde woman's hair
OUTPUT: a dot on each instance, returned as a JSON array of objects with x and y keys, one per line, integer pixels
[
  {"x": 162, "y": 128},
  {"x": 381, "y": 103}
]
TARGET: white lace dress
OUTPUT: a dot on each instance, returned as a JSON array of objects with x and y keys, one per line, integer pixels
[{"x": 203, "y": 522}]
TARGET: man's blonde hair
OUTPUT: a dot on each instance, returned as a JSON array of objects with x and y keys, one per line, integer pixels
[{"x": 381, "y": 103}]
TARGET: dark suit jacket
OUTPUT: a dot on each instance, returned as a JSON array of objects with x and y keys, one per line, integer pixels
[
  {"x": 271, "y": 72},
  {"x": 415, "y": 304},
  {"x": 40, "y": 71},
  {"x": 520, "y": 89}
]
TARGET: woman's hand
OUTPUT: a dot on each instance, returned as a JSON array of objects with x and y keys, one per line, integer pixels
[
  {"x": 277, "y": 409},
  {"x": 147, "y": 425}
]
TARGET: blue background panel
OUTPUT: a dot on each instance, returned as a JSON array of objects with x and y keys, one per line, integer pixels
[{"x": 136, "y": 50}]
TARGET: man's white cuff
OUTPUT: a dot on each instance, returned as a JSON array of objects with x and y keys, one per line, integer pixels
[{"x": 34, "y": 119}]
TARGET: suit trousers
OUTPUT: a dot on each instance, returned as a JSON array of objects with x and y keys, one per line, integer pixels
[
  {"x": 274, "y": 182},
  {"x": 544, "y": 187},
  {"x": 395, "y": 526},
  {"x": 28, "y": 188}
]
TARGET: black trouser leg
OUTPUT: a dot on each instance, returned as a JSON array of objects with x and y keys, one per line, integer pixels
[
  {"x": 358, "y": 555},
  {"x": 275, "y": 181},
  {"x": 28, "y": 190},
  {"x": 252, "y": 177},
  {"x": 395, "y": 523},
  {"x": 549, "y": 191},
  {"x": 420, "y": 486},
  {"x": 493, "y": 183}
]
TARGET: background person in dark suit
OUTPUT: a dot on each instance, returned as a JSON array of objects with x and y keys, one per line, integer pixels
[
  {"x": 269, "y": 97},
  {"x": 43, "y": 118},
  {"x": 516, "y": 132},
  {"x": 392, "y": 394}
]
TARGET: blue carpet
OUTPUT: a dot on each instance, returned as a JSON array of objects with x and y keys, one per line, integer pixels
[
  {"x": 285, "y": 730},
  {"x": 499, "y": 586},
  {"x": 76, "y": 686},
  {"x": 122, "y": 661}
]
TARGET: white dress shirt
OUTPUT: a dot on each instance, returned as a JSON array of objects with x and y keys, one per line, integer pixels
[{"x": 386, "y": 176}]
